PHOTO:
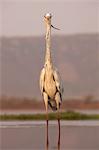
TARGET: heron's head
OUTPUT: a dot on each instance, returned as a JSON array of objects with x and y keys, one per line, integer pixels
[
  {"x": 47, "y": 20},
  {"x": 48, "y": 16}
]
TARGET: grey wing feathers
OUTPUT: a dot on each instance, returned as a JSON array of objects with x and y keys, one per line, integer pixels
[
  {"x": 42, "y": 76},
  {"x": 58, "y": 81}
]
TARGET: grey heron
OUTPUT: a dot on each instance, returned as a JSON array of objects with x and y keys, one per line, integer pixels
[{"x": 50, "y": 81}]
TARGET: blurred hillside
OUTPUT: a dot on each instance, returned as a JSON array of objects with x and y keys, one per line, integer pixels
[
  {"x": 15, "y": 103},
  {"x": 75, "y": 56}
]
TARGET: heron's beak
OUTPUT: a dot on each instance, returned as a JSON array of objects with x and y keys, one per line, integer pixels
[{"x": 54, "y": 27}]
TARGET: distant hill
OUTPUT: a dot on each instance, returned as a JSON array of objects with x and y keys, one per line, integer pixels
[{"x": 75, "y": 56}]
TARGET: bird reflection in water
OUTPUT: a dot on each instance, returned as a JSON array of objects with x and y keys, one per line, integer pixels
[
  {"x": 58, "y": 144},
  {"x": 57, "y": 148}
]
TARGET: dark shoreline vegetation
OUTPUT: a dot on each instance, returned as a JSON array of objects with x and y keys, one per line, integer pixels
[{"x": 69, "y": 115}]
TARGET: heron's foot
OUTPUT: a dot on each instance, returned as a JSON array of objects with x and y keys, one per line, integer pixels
[
  {"x": 58, "y": 145},
  {"x": 47, "y": 142},
  {"x": 58, "y": 142}
]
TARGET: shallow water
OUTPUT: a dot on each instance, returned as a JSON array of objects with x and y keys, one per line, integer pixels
[{"x": 75, "y": 135}]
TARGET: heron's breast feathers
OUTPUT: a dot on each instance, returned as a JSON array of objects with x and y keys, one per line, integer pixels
[{"x": 50, "y": 83}]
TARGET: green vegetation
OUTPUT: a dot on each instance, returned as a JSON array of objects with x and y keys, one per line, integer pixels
[{"x": 70, "y": 115}]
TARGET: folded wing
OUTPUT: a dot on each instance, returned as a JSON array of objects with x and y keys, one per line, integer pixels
[
  {"x": 42, "y": 78},
  {"x": 58, "y": 81}
]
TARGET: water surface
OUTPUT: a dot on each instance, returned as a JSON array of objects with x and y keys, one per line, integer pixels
[{"x": 31, "y": 135}]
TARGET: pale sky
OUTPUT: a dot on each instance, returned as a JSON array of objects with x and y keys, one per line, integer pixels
[{"x": 25, "y": 17}]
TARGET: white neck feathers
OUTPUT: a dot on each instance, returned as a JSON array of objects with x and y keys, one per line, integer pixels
[{"x": 48, "y": 42}]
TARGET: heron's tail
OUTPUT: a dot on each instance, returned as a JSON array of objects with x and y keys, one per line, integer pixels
[{"x": 52, "y": 104}]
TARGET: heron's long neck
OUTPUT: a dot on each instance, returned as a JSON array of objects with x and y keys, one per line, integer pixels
[{"x": 48, "y": 44}]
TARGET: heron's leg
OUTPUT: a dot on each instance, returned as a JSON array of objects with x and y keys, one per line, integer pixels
[
  {"x": 58, "y": 146},
  {"x": 58, "y": 127},
  {"x": 46, "y": 107},
  {"x": 57, "y": 98}
]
